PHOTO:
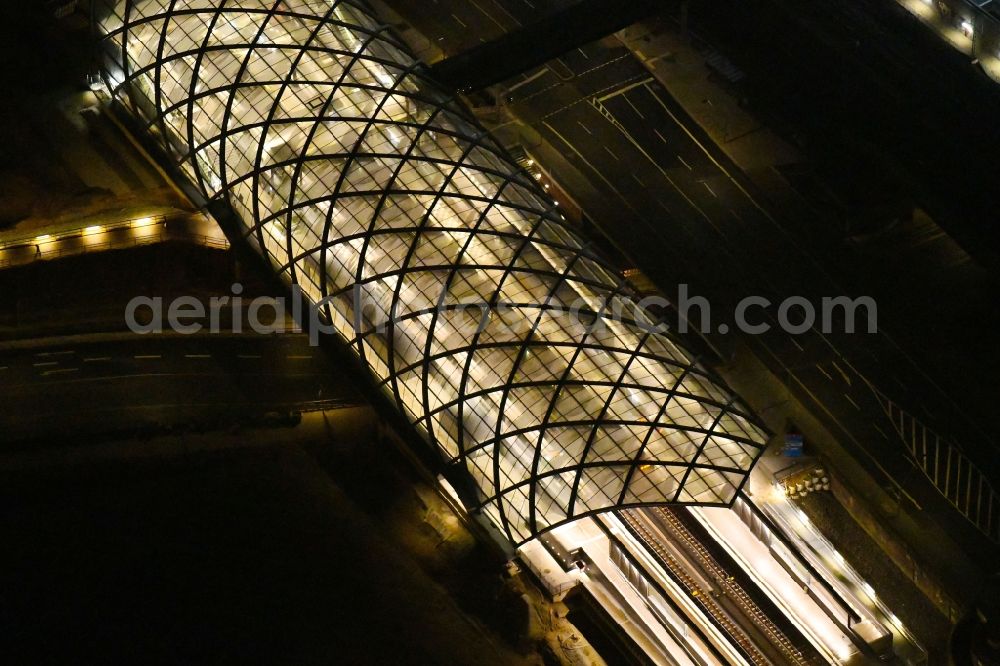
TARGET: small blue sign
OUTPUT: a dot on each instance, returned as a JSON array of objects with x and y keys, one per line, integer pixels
[{"x": 793, "y": 445}]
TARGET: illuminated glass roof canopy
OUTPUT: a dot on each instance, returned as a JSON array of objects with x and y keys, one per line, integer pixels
[{"x": 379, "y": 195}]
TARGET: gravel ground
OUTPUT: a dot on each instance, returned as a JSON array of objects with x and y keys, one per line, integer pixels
[{"x": 916, "y": 611}]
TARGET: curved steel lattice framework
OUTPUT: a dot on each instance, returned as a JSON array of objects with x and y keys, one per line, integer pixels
[{"x": 375, "y": 192}]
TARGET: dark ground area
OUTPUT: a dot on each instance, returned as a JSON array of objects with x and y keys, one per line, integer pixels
[
  {"x": 875, "y": 97},
  {"x": 56, "y": 159},
  {"x": 37, "y": 56},
  {"x": 253, "y": 553},
  {"x": 247, "y": 555}
]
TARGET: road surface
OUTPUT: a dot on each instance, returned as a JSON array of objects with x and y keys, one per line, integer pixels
[{"x": 131, "y": 382}]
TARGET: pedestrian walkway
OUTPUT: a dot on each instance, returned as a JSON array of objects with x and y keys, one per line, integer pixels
[
  {"x": 102, "y": 233},
  {"x": 965, "y": 27}
]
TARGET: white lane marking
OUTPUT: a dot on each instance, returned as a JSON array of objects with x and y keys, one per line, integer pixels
[
  {"x": 528, "y": 79},
  {"x": 597, "y": 172},
  {"x": 852, "y": 402},
  {"x": 147, "y": 356},
  {"x": 709, "y": 188},
  {"x": 714, "y": 161},
  {"x": 588, "y": 98},
  {"x": 197, "y": 356},
  {"x": 95, "y": 359},
  {"x": 684, "y": 162},
  {"x": 825, "y": 373},
  {"x": 41, "y": 365},
  {"x": 609, "y": 116},
  {"x": 847, "y": 377},
  {"x": 545, "y": 90},
  {"x": 584, "y": 128},
  {"x": 638, "y": 180},
  {"x": 623, "y": 89},
  {"x": 657, "y": 133},
  {"x": 3, "y": 367},
  {"x": 459, "y": 21},
  {"x": 493, "y": 18},
  {"x": 59, "y": 371},
  {"x": 634, "y": 108},
  {"x": 610, "y": 152}
]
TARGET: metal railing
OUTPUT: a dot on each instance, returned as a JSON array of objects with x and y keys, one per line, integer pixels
[
  {"x": 30, "y": 240},
  {"x": 952, "y": 473},
  {"x": 153, "y": 230}
]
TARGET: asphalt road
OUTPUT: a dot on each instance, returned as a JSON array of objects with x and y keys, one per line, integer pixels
[
  {"x": 685, "y": 215},
  {"x": 127, "y": 383}
]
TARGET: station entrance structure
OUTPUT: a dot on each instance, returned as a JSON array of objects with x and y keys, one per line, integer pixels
[{"x": 485, "y": 318}]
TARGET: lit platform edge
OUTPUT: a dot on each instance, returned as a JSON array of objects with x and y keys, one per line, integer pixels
[{"x": 662, "y": 617}]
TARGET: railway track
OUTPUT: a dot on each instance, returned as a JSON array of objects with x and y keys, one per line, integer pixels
[
  {"x": 701, "y": 596},
  {"x": 732, "y": 589}
]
